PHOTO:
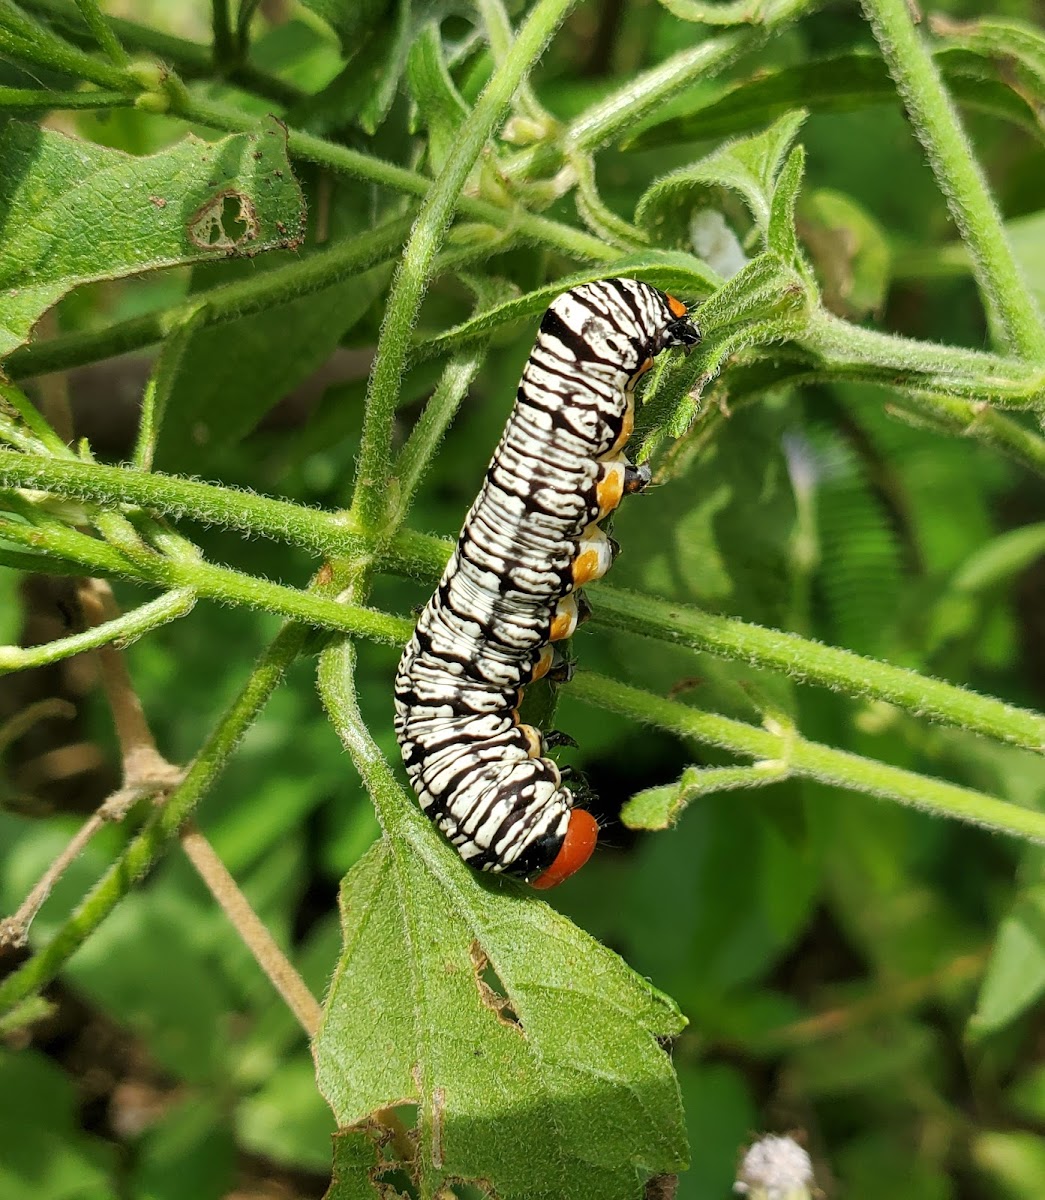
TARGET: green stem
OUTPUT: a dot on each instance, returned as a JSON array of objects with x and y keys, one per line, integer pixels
[
  {"x": 224, "y": 49},
  {"x": 812, "y": 662},
  {"x": 190, "y": 59},
  {"x": 944, "y": 370},
  {"x": 620, "y": 112},
  {"x": 148, "y": 846},
  {"x": 812, "y": 760},
  {"x": 422, "y": 557},
  {"x": 213, "y": 582},
  {"x": 229, "y": 302},
  {"x": 322, "y": 533},
  {"x": 1011, "y": 310},
  {"x": 499, "y": 38},
  {"x": 102, "y": 32},
  {"x": 424, "y": 439},
  {"x": 436, "y": 212},
  {"x": 124, "y": 629},
  {"x": 25, "y": 40},
  {"x": 39, "y": 100}
]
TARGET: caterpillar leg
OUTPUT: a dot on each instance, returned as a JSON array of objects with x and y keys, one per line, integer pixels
[
  {"x": 636, "y": 479},
  {"x": 617, "y": 479},
  {"x": 564, "y": 619},
  {"x": 594, "y": 556},
  {"x": 551, "y": 664}
]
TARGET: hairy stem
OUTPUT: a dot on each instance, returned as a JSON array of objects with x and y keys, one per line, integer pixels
[
  {"x": 414, "y": 554},
  {"x": 812, "y": 760},
  {"x": 1011, "y": 310},
  {"x": 122, "y": 629},
  {"x": 436, "y": 212}
]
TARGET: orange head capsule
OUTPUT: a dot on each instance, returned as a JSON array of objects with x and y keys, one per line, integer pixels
[{"x": 581, "y": 835}]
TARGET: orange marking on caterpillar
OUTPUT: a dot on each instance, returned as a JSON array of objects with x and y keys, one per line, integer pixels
[
  {"x": 564, "y": 622},
  {"x": 609, "y": 491},
  {"x": 581, "y": 835},
  {"x": 586, "y": 567}
]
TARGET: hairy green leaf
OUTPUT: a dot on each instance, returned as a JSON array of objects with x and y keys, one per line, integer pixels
[
  {"x": 473, "y": 1001},
  {"x": 748, "y": 167},
  {"x": 676, "y": 272},
  {"x": 439, "y": 105},
  {"x": 842, "y": 83},
  {"x": 72, "y": 211}
]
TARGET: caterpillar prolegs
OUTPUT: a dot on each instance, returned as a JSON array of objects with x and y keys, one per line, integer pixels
[{"x": 509, "y": 591}]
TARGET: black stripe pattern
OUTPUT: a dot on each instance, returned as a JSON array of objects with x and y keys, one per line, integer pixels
[{"x": 508, "y": 592}]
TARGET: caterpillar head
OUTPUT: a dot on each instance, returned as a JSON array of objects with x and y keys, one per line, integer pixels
[{"x": 680, "y": 329}]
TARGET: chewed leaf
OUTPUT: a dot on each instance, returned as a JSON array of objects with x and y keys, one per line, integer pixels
[
  {"x": 512, "y": 1047},
  {"x": 748, "y": 167},
  {"x": 73, "y": 211},
  {"x": 484, "y": 1007}
]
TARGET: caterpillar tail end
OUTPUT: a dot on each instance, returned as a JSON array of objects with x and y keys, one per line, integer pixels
[{"x": 581, "y": 835}]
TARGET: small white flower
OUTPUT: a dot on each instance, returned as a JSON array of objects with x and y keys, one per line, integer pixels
[{"x": 775, "y": 1168}]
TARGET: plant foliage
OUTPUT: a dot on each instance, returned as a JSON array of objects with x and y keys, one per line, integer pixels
[{"x": 267, "y": 279}]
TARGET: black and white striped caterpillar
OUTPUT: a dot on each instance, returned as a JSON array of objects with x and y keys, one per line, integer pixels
[{"x": 509, "y": 590}]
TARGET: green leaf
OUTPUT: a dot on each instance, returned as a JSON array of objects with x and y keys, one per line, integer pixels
[
  {"x": 43, "y": 1154},
  {"x": 189, "y": 1154},
  {"x": 748, "y": 167},
  {"x": 780, "y": 234},
  {"x": 1013, "y": 1161},
  {"x": 232, "y": 374},
  {"x": 677, "y": 272},
  {"x": 1015, "y": 976},
  {"x": 998, "y": 560},
  {"x": 849, "y": 250},
  {"x": 1017, "y": 47},
  {"x": 286, "y": 1120},
  {"x": 473, "y": 1000},
  {"x": 732, "y": 12},
  {"x": 483, "y": 1005},
  {"x": 720, "y": 1115},
  {"x": 439, "y": 105},
  {"x": 763, "y": 301},
  {"x": 351, "y": 20},
  {"x": 75, "y": 212},
  {"x": 842, "y": 83},
  {"x": 375, "y": 39}
]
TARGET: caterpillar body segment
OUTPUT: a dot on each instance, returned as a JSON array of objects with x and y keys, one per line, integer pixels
[{"x": 530, "y": 540}]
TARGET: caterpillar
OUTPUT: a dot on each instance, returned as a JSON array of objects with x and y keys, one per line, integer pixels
[{"x": 509, "y": 591}]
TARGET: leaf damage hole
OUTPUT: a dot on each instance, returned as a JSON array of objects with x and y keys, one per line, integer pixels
[
  {"x": 227, "y": 221},
  {"x": 492, "y": 991},
  {"x": 394, "y": 1134}
]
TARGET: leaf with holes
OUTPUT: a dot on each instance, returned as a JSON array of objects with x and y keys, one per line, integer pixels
[
  {"x": 527, "y": 1051},
  {"x": 72, "y": 211}
]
